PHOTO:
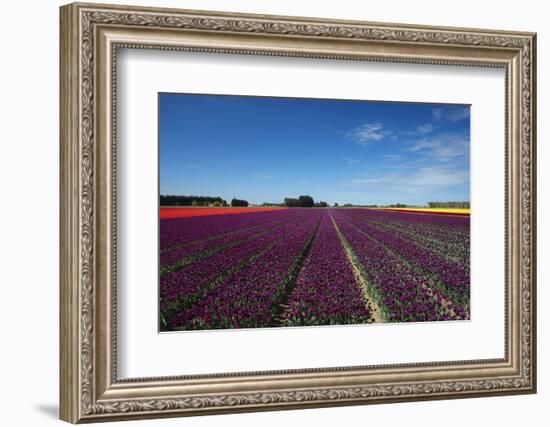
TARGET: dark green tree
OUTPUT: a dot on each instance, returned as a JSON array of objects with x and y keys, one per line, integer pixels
[
  {"x": 305, "y": 201},
  {"x": 291, "y": 202},
  {"x": 239, "y": 203}
]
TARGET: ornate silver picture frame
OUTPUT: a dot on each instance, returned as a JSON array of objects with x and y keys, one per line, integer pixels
[{"x": 91, "y": 36}]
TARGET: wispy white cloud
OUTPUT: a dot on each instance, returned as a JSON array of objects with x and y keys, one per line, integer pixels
[
  {"x": 425, "y": 179},
  {"x": 438, "y": 177},
  {"x": 392, "y": 157},
  {"x": 453, "y": 114},
  {"x": 214, "y": 100},
  {"x": 420, "y": 130},
  {"x": 262, "y": 176},
  {"x": 437, "y": 114},
  {"x": 456, "y": 114},
  {"x": 369, "y": 132},
  {"x": 365, "y": 181},
  {"x": 427, "y": 128},
  {"x": 303, "y": 181},
  {"x": 443, "y": 147},
  {"x": 350, "y": 160}
]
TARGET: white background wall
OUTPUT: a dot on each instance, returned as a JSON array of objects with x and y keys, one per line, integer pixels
[{"x": 29, "y": 170}]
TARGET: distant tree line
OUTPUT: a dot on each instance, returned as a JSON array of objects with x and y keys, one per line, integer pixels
[
  {"x": 304, "y": 201},
  {"x": 458, "y": 205},
  {"x": 349, "y": 205},
  {"x": 173, "y": 200}
]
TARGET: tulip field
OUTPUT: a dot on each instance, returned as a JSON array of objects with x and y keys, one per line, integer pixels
[{"x": 261, "y": 268}]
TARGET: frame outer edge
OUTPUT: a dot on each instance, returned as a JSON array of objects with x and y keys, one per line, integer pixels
[
  {"x": 77, "y": 226},
  {"x": 533, "y": 210},
  {"x": 304, "y": 19},
  {"x": 69, "y": 355}
]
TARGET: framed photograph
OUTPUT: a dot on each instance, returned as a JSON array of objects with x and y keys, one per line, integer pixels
[{"x": 266, "y": 212}]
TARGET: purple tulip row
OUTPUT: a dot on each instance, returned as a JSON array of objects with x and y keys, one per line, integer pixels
[
  {"x": 436, "y": 231},
  {"x": 450, "y": 247},
  {"x": 445, "y": 241},
  {"x": 447, "y": 222},
  {"x": 436, "y": 226},
  {"x": 252, "y": 297},
  {"x": 326, "y": 291},
  {"x": 214, "y": 239},
  {"x": 182, "y": 288},
  {"x": 399, "y": 291},
  {"x": 173, "y": 260},
  {"x": 446, "y": 275},
  {"x": 459, "y": 232},
  {"x": 181, "y": 231}
]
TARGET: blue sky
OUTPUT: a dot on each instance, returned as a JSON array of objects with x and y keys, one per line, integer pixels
[{"x": 361, "y": 152}]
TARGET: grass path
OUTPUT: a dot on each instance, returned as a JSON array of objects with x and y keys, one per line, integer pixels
[{"x": 376, "y": 313}]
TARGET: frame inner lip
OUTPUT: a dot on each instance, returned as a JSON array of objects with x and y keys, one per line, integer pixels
[{"x": 341, "y": 370}]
